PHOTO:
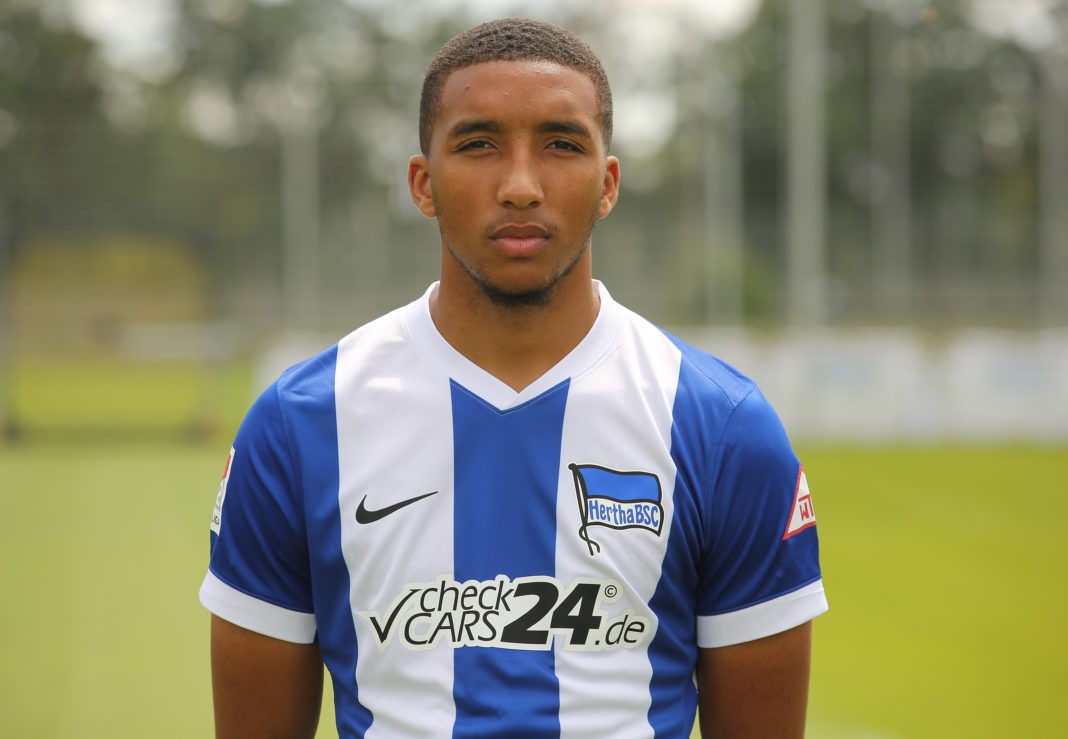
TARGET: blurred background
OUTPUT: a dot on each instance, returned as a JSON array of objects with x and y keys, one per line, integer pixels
[
  {"x": 870, "y": 198},
  {"x": 861, "y": 203}
]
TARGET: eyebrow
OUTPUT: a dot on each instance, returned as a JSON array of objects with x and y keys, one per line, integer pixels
[
  {"x": 570, "y": 127},
  {"x": 573, "y": 128},
  {"x": 465, "y": 128}
]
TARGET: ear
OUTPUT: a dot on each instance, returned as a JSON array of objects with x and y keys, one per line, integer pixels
[
  {"x": 419, "y": 186},
  {"x": 610, "y": 187}
]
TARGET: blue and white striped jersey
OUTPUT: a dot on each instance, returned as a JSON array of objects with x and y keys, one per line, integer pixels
[{"x": 480, "y": 562}]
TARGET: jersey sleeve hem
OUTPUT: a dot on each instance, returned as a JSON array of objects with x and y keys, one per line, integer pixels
[
  {"x": 764, "y": 619},
  {"x": 256, "y": 615}
]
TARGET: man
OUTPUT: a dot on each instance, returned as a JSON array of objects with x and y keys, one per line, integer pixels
[{"x": 513, "y": 508}]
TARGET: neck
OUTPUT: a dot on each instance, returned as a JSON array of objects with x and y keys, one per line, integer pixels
[{"x": 515, "y": 344}]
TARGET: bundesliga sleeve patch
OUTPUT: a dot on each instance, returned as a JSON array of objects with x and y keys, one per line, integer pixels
[
  {"x": 802, "y": 515},
  {"x": 216, "y": 515}
]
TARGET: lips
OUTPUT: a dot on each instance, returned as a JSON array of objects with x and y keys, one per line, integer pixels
[{"x": 519, "y": 240}]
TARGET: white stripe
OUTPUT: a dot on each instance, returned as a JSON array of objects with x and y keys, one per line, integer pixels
[
  {"x": 395, "y": 443},
  {"x": 254, "y": 614},
  {"x": 763, "y": 619},
  {"x": 618, "y": 416}
]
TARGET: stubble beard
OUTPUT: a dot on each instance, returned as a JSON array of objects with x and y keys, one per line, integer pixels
[{"x": 537, "y": 297}]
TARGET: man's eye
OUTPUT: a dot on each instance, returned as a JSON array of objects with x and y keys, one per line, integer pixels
[
  {"x": 562, "y": 145},
  {"x": 473, "y": 145}
]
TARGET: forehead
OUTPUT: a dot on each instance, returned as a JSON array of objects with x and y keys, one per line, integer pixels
[{"x": 529, "y": 89}]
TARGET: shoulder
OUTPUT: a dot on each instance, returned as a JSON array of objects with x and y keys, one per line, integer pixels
[
  {"x": 694, "y": 370},
  {"x": 304, "y": 386},
  {"x": 703, "y": 382},
  {"x": 307, "y": 379},
  {"x": 721, "y": 417},
  {"x": 709, "y": 375},
  {"x": 744, "y": 424},
  {"x": 311, "y": 381},
  {"x": 707, "y": 395}
]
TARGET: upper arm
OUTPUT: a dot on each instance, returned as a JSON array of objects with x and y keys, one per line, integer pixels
[
  {"x": 260, "y": 569},
  {"x": 262, "y": 686},
  {"x": 759, "y": 573},
  {"x": 756, "y": 689},
  {"x": 267, "y": 671}
]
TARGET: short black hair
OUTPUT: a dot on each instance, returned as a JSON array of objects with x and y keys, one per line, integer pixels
[{"x": 512, "y": 40}]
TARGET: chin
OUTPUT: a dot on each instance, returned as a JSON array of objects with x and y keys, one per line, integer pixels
[{"x": 517, "y": 297}]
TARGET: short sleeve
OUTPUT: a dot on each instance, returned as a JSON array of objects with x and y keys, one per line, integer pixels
[
  {"x": 759, "y": 572},
  {"x": 258, "y": 576}
]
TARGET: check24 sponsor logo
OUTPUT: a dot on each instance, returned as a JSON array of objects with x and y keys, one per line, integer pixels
[{"x": 524, "y": 613}]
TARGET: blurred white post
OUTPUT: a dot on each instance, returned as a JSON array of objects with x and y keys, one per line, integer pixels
[
  {"x": 724, "y": 261},
  {"x": 891, "y": 205},
  {"x": 806, "y": 196},
  {"x": 301, "y": 260},
  {"x": 1053, "y": 190},
  {"x": 301, "y": 252},
  {"x": 299, "y": 115}
]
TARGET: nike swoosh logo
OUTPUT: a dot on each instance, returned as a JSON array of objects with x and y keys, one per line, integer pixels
[{"x": 364, "y": 515}]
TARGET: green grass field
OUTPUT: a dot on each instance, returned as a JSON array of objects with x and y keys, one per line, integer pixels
[{"x": 945, "y": 570}]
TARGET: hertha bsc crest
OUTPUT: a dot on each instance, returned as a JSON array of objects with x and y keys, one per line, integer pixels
[{"x": 618, "y": 500}]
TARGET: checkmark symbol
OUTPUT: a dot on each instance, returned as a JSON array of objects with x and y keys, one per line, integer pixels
[{"x": 366, "y": 515}]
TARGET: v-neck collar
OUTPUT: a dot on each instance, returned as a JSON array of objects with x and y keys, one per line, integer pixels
[{"x": 441, "y": 355}]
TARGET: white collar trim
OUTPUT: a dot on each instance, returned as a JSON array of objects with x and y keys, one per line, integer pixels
[{"x": 445, "y": 359}]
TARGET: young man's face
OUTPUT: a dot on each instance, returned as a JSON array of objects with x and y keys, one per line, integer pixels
[{"x": 517, "y": 175}]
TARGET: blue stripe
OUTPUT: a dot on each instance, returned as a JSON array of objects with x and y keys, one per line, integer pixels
[
  {"x": 507, "y": 467},
  {"x": 673, "y": 651},
  {"x": 314, "y": 433}
]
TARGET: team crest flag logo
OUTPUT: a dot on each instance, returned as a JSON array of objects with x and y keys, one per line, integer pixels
[
  {"x": 617, "y": 500},
  {"x": 802, "y": 515}
]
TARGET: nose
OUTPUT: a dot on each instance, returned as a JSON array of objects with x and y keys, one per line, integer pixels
[{"x": 520, "y": 186}]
